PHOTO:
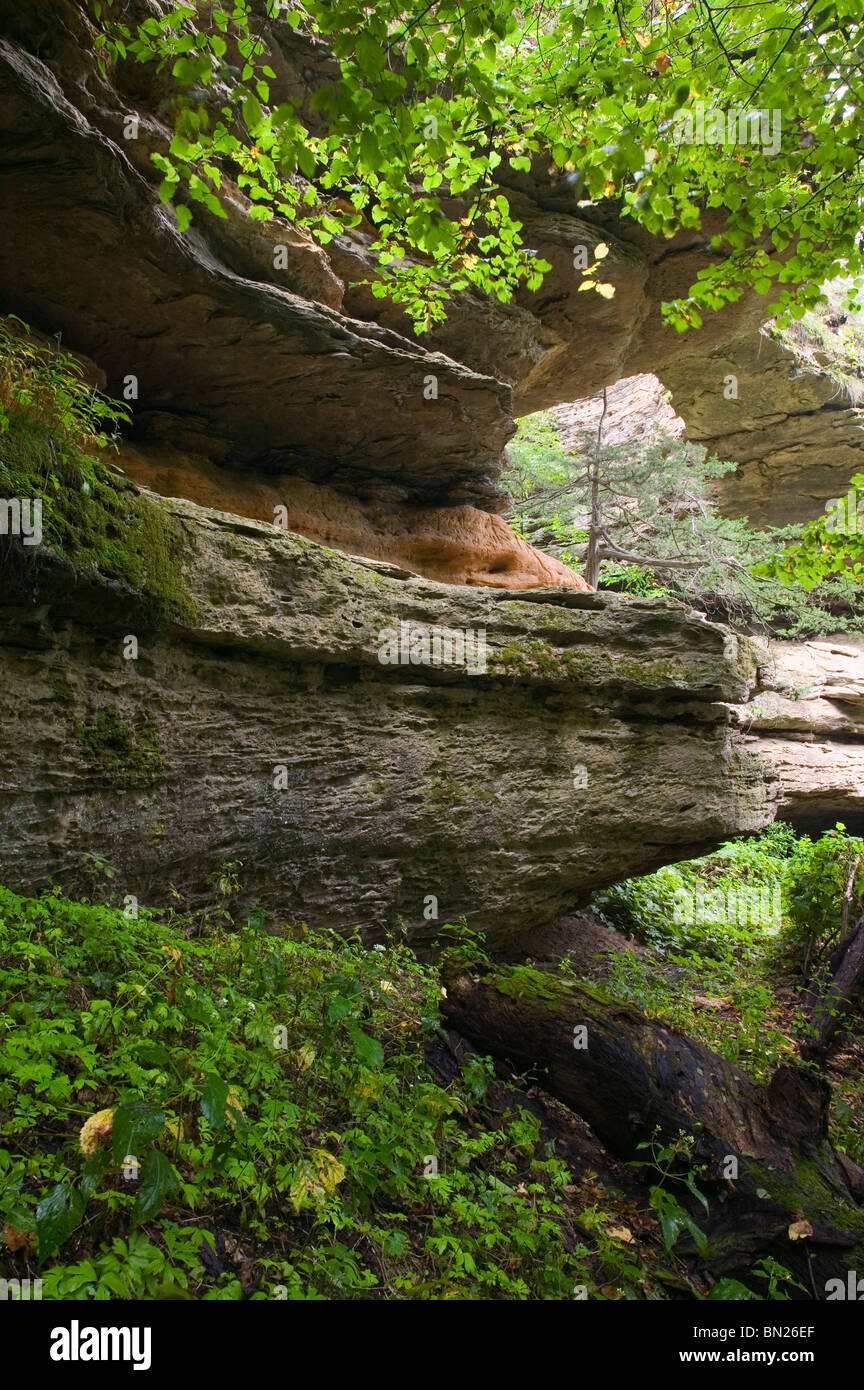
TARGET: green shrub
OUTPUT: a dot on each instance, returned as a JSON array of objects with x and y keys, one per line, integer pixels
[
  {"x": 732, "y": 957},
  {"x": 650, "y": 907},
  {"x": 817, "y": 884}
]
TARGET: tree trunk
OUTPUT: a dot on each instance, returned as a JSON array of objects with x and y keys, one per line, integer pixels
[
  {"x": 846, "y": 965},
  {"x": 592, "y": 552},
  {"x": 764, "y": 1159},
  {"x": 595, "y": 529}
]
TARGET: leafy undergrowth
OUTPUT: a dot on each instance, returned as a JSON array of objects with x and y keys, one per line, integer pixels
[
  {"x": 227, "y": 1114},
  {"x": 726, "y": 947}
]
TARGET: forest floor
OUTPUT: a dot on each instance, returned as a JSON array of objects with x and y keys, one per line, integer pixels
[{"x": 197, "y": 1107}]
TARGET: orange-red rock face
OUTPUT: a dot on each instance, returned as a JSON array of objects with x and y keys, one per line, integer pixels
[{"x": 454, "y": 545}]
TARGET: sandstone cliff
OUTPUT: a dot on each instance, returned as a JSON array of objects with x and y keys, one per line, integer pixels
[
  {"x": 265, "y": 730},
  {"x": 794, "y": 429},
  {"x": 807, "y": 721},
  {"x": 298, "y": 373},
  {"x": 293, "y": 392}
]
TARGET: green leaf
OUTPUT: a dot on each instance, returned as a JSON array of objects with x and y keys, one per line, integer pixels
[
  {"x": 182, "y": 149},
  {"x": 370, "y": 155},
  {"x": 184, "y": 216},
  {"x": 134, "y": 1128},
  {"x": 95, "y": 1167},
  {"x": 189, "y": 71},
  {"x": 692, "y": 1184},
  {"x": 158, "y": 1180},
  {"x": 369, "y": 1050},
  {"x": 57, "y": 1216},
  {"x": 305, "y": 161},
  {"x": 214, "y": 1101},
  {"x": 370, "y": 55},
  {"x": 730, "y": 1291},
  {"x": 252, "y": 113},
  {"x": 152, "y": 1054}
]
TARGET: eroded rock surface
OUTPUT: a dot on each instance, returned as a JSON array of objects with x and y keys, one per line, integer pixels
[
  {"x": 791, "y": 428},
  {"x": 797, "y": 437},
  {"x": 246, "y": 371},
  {"x": 808, "y": 722},
  {"x": 637, "y": 410},
  {"x": 299, "y": 369},
  {"x": 267, "y": 732},
  {"x": 454, "y": 545}
]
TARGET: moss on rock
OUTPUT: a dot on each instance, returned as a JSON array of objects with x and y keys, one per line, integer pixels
[
  {"x": 123, "y": 756},
  {"x": 92, "y": 517}
]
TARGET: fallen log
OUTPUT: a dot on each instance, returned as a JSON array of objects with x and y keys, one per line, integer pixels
[{"x": 786, "y": 1191}]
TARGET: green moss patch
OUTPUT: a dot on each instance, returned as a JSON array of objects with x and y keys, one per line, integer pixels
[
  {"x": 123, "y": 756},
  {"x": 93, "y": 518}
]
